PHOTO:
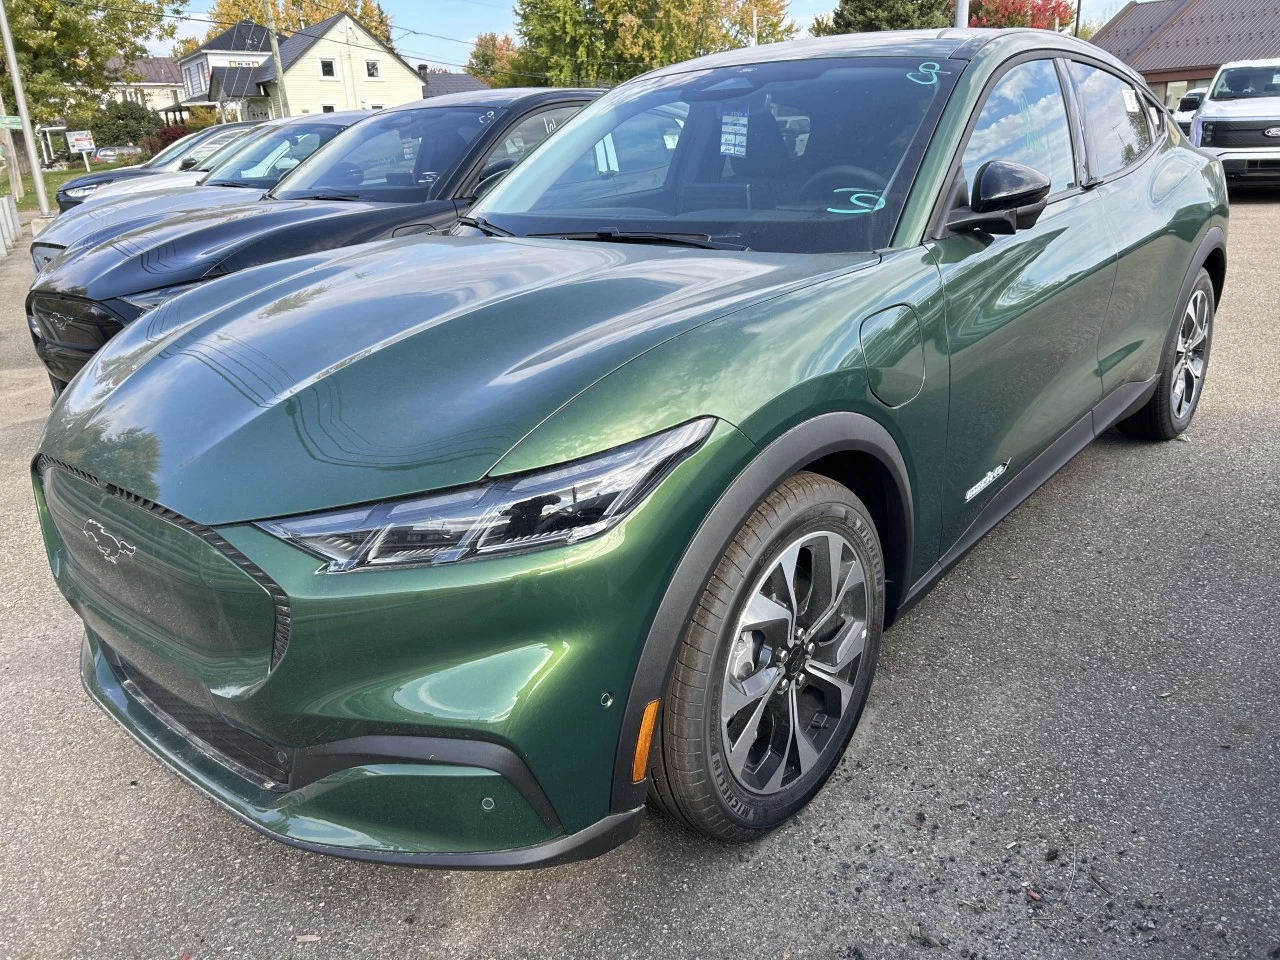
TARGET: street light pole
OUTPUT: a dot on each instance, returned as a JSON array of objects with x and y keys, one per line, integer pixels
[
  {"x": 27, "y": 133},
  {"x": 1079, "y": 4},
  {"x": 962, "y": 13}
]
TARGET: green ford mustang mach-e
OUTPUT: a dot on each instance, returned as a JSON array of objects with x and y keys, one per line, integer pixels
[{"x": 450, "y": 550}]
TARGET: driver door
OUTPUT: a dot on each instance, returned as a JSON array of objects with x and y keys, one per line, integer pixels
[{"x": 1023, "y": 310}]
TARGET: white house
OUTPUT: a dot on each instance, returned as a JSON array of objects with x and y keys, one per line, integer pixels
[
  {"x": 153, "y": 82},
  {"x": 332, "y": 65}
]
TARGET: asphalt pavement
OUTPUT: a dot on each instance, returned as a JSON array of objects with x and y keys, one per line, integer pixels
[{"x": 1072, "y": 749}]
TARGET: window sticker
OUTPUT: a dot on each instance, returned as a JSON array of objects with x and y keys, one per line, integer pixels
[
  {"x": 858, "y": 201},
  {"x": 927, "y": 74},
  {"x": 1130, "y": 100},
  {"x": 733, "y": 132}
]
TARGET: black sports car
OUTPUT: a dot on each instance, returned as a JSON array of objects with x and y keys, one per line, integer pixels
[{"x": 409, "y": 169}]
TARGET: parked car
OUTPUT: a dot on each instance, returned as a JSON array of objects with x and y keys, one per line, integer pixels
[
  {"x": 256, "y": 160},
  {"x": 448, "y": 550},
  {"x": 1239, "y": 121},
  {"x": 1187, "y": 107},
  {"x": 114, "y": 154},
  {"x": 194, "y": 146},
  {"x": 408, "y": 169}
]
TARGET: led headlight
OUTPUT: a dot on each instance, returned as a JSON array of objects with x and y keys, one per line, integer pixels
[
  {"x": 79, "y": 193},
  {"x": 563, "y": 504},
  {"x": 150, "y": 299}
]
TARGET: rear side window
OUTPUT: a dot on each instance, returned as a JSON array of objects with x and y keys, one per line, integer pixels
[
  {"x": 1115, "y": 121},
  {"x": 1024, "y": 121}
]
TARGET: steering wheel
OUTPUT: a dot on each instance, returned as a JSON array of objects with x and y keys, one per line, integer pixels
[{"x": 845, "y": 178}]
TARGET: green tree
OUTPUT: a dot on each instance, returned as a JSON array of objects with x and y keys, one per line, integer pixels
[
  {"x": 63, "y": 49},
  {"x": 576, "y": 42},
  {"x": 115, "y": 124},
  {"x": 292, "y": 15},
  {"x": 490, "y": 60},
  {"x": 865, "y": 16}
]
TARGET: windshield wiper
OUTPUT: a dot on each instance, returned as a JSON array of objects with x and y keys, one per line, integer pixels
[
  {"x": 328, "y": 196},
  {"x": 485, "y": 227},
  {"x": 704, "y": 241},
  {"x": 228, "y": 183}
]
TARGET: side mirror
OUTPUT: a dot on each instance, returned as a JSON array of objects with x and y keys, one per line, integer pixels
[
  {"x": 1189, "y": 104},
  {"x": 1006, "y": 197},
  {"x": 187, "y": 163}
]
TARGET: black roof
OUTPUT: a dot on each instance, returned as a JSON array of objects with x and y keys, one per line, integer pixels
[
  {"x": 245, "y": 36},
  {"x": 443, "y": 84},
  {"x": 502, "y": 97},
  {"x": 236, "y": 81}
]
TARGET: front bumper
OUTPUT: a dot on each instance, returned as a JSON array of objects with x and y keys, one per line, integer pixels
[
  {"x": 466, "y": 715},
  {"x": 1254, "y": 165},
  {"x": 411, "y": 808}
]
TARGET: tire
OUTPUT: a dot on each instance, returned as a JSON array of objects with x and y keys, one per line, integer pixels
[
  {"x": 710, "y": 769},
  {"x": 1168, "y": 412}
]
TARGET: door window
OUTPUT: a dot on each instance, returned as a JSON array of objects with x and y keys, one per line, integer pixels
[
  {"x": 1115, "y": 121},
  {"x": 528, "y": 133},
  {"x": 1024, "y": 121}
]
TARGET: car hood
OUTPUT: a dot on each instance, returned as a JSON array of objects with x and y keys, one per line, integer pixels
[
  {"x": 180, "y": 246},
  {"x": 161, "y": 181},
  {"x": 107, "y": 176},
  {"x": 90, "y": 224},
  {"x": 383, "y": 370},
  {"x": 1249, "y": 108}
]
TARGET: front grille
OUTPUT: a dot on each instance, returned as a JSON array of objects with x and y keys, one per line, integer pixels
[
  {"x": 279, "y": 599},
  {"x": 1243, "y": 133},
  {"x": 249, "y": 756},
  {"x": 71, "y": 321}
]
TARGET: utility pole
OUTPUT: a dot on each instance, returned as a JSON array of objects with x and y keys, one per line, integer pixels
[
  {"x": 962, "y": 13},
  {"x": 755, "y": 28},
  {"x": 275, "y": 56},
  {"x": 37, "y": 177},
  {"x": 11, "y": 158},
  {"x": 1079, "y": 4}
]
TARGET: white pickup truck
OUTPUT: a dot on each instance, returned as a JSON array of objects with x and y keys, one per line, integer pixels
[{"x": 1239, "y": 121}]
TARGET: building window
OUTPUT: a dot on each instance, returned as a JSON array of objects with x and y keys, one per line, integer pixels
[
  {"x": 327, "y": 68},
  {"x": 373, "y": 69},
  {"x": 327, "y": 108}
]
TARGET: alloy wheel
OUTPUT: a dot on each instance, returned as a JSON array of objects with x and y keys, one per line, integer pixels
[
  {"x": 1189, "y": 355},
  {"x": 791, "y": 671}
]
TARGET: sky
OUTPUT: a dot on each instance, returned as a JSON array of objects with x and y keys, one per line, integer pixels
[{"x": 454, "y": 24}]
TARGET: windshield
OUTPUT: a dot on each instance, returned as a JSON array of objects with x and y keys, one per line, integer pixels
[
  {"x": 402, "y": 156},
  {"x": 205, "y": 154},
  {"x": 800, "y": 156},
  {"x": 211, "y": 155},
  {"x": 261, "y": 160},
  {"x": 1239, "y": 83},
  {"x": 173, "y": 151}
]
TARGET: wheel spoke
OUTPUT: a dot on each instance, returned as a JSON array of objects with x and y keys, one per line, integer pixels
[
  {"x": 738, "y": 693},
  {"x": 806, "y": 752},
  {"x": 762, "y": 611},
  {"x": 787, "y": 567},
  {"x": 742, "y": 746},
  {"x": 847, "y": 645},
  {"x": 821, "y": 673},
  {"x": 842, "y": 582}
]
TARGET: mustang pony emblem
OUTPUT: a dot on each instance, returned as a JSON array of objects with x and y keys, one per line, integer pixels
[{"x": 110, "y": 547}]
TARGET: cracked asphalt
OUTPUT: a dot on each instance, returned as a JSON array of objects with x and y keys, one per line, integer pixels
[{"x": 1072, "y": 748}]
